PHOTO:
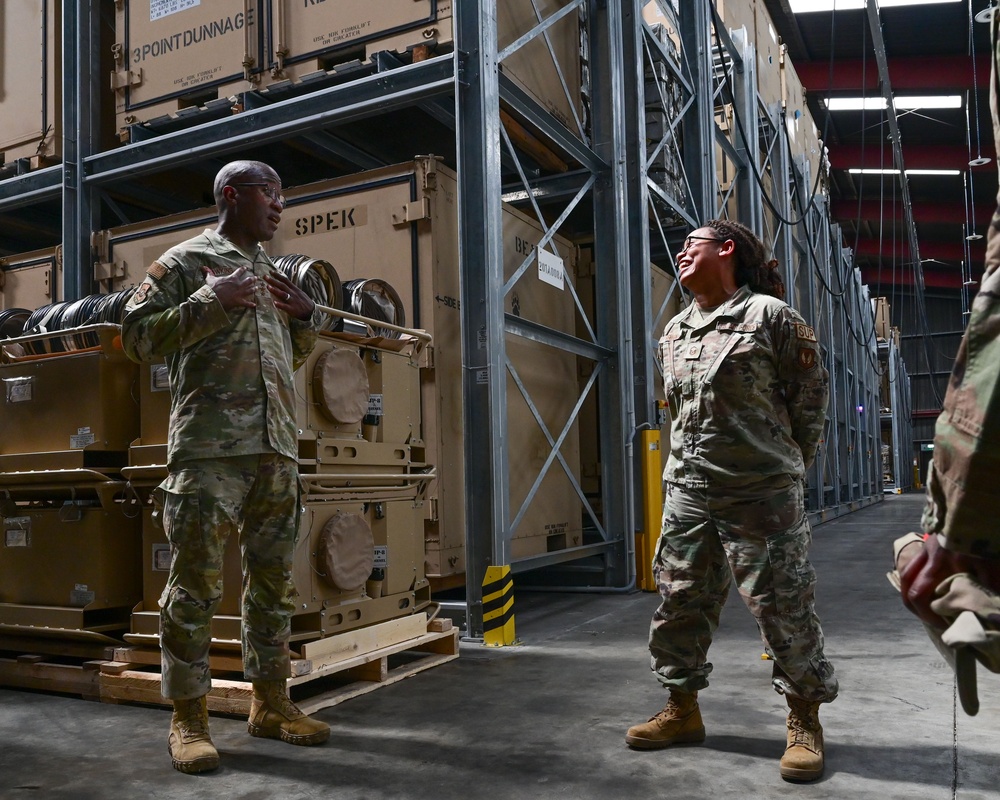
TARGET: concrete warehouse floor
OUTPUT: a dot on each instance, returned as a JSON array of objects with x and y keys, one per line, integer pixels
[{"x": 547, "y": 719}]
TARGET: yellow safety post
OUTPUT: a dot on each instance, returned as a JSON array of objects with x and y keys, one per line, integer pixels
[
  {"x": 498, "y": 607},
  {"x": 652, "y": 509}
]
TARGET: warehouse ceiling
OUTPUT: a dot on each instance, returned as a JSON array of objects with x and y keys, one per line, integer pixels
[{"x": 932, "y": 50}]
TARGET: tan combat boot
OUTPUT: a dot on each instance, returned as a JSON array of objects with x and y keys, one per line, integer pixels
[
  {"x": 274, "y": 716},
  {"x": 678, "y": 723},
  {"x": 803, "y": 758},
  {"x": 191, "y": 748}
]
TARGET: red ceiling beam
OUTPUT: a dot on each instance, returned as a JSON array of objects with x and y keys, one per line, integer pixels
[
  {"x": 933, "y": 279},
  {"x": 917, "y": 156},
  {"x": 918, "y": 75},
  {"x": 922, "y": 212},
  {"x": 942, "y": 251}
]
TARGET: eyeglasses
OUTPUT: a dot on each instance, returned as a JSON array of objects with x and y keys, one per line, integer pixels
[
  {"x": 691, "y": 239},
  {"x": 273, "y": 194}
]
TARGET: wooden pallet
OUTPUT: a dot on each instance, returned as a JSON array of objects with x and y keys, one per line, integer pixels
[
  {"x": 69, "y": 673},
  {"x": 328, "y": 672}
]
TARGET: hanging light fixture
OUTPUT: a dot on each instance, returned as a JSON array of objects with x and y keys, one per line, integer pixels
[{"x": 986, "y": 15}]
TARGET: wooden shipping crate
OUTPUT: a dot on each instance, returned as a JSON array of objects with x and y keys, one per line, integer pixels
[
  {"x": 803, "y": 134},
  {"x": 70, "y": 409},
  {"x": 175, "y": 56},
  {"x": 340, "y": 543},
  {"x": 31, "y": 280},
  {"x": 84, "y": 559},
  {"x": 400, "y": 224},
  {"x": 30, "y": 81},
  {"x": 306, "y": 38}
]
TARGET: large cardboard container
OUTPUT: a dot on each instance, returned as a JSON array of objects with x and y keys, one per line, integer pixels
[
  {"x": 174, "y": 55},
  {"x": 68, "y": 409},
  {"x": 30, "y": 80},
  {"x": 31, "y": 280},
  {"x": 400, "y": 224}
]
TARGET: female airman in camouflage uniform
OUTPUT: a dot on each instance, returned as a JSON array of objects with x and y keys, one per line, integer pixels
[{"x": 748, "y": 393}]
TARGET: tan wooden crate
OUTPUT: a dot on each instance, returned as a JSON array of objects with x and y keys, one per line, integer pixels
[
  {"x": 175, "y": 55},
  {"x": 31, "y": 280},
  {"x": 30, "y": 81},
  {"x": 400, "y": 224}
]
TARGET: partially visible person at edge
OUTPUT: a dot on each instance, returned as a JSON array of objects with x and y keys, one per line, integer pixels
[
  {"x": 232, "y": 330},
  {"x": 747, "y": 394},
  {"x": 960, "y": 516}
]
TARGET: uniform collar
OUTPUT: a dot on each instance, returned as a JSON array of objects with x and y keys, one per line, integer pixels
[
  {"x": 733, "y": 307},
  {"x": 222, "y": 245}
]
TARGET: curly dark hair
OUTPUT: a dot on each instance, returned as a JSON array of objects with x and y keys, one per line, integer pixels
[{"x": 752, "y": 266}]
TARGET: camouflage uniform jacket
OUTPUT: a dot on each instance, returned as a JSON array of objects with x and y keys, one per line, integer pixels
[
  {"x": 747, "y": 392},
  {"x": 231, "y": 386},
  {"x": 961, "y": 481}
]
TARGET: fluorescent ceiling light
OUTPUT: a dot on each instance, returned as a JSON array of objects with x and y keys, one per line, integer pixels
[
  {"x": 929, "y": 101},
  {"x": 805, "y": 6},
  {"x": 856, "y": 171},
  {"x": 856, "y": 103},
  {"x": 878, "y": 103}
]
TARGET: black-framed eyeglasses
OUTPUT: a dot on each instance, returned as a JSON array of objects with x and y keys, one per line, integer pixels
[
  {"x": 273, "y": 194},
  {"x": 691, "y": 239}
]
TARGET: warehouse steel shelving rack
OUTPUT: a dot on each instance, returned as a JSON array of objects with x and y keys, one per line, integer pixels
[{"x": 633, "y": 219}]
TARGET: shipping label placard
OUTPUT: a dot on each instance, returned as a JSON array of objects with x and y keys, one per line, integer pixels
[
  {"x": 164, "y": 8},
  {"x": 550, "y": 269}
]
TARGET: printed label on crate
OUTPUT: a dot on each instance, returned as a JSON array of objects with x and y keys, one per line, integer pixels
[
  {"x": 161, "y": 557},
  {"x": 83, "y": 437},
  {"x": 482, "y": 376},
  {"x": 335, "y": 220},
  {"x": 164, "y": 8},
  {"x": 550, "y": 269},
  {"x": 81, "y": 595},
  {"x": 159, "y": 378},
  {"x": 381, "y": 557},
  {"x": 19, "y": 390},
  {"x": 375, "y": 405},
  {"x": 17, "y": 531}
]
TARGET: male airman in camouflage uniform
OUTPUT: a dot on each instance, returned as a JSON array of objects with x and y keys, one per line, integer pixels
[
  {"x": 747, "y": 394},
  {"x": 961, "y": 510},
  {"x": 232, "y": 329}
]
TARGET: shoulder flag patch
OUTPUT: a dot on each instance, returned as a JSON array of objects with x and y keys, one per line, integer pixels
[{"x": 156, "y": 270}]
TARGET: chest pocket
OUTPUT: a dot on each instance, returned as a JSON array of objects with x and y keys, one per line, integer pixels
[
  {"x": 667, "y": 346},
  {"x": 744, "y": 366}
]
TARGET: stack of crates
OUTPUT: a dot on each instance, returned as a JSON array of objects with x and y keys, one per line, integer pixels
[
  {"x": 70, "y": 553},
  {"x": 194, "y": 60},
  {"x": 399, "y": 224}
]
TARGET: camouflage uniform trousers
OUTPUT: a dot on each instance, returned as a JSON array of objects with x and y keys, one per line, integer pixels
[
  {"x": 760, "y": 536},
  {"x": 204, "y": 502}
]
